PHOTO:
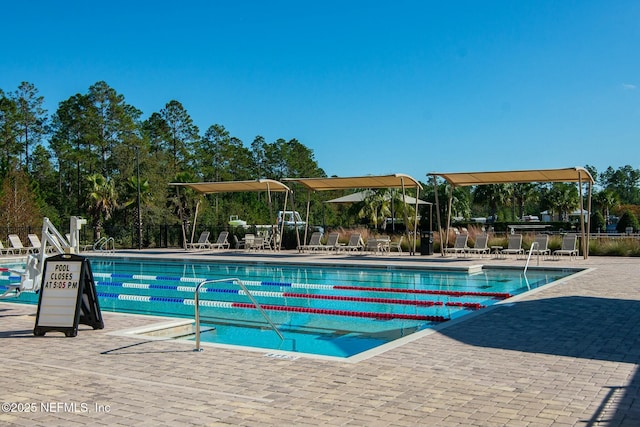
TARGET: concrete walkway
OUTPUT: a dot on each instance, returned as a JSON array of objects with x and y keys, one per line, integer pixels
[{"x": 567, "y": 355}]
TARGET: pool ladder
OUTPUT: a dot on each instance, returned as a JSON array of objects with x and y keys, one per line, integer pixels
[
  {"x": 244, "y": 288},
  {"x": 107, "y": 244}
]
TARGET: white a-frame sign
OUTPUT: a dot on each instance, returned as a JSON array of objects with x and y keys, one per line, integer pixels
[{"x": 67, "y": 296}]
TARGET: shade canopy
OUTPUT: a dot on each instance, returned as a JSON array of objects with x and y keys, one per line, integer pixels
[
  {"x": 575, "y": 174},
  {"x": 459, "y": 179},
  {"x": 362, "y": 195},
  {"x": 234, "y": 186},
  {"x": 397, "y": 180}
]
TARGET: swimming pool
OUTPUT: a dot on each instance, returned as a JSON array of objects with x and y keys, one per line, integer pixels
[{"x": 337, "y": 311}]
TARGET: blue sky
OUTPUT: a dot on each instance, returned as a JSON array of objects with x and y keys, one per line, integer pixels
[{"x": 371, "y": 87}]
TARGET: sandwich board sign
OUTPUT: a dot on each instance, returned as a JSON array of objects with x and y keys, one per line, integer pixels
[{"x": 67, "y": 296}]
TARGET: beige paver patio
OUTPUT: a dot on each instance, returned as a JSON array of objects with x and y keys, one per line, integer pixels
[{"x": 566, "y": 355}]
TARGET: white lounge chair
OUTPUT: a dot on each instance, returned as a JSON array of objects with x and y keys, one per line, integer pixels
[
  {"x": 202, "y": 243},
  {"x": 314, "y": 243},
  {"x": 5, "y": 251},
  {"x": 333, "y": 242},
  {"x": 514, "y": 247},
  {"x": 480, "y": 246},
  {"x": 36, "y": 244},
  {"x": 540, "y": 245},
  {"x": 355, "y": 243},
  {"x": 459, "y": 246},
  {"x": 17, "y": 246},
  {"x": 222, "y": 242},
  {"x": 569, "y": 246}
]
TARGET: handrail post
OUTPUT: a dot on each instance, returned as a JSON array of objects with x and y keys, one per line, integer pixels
[
  {"x": 196, "y": 300},
  {"x": 534, "y": 244}
]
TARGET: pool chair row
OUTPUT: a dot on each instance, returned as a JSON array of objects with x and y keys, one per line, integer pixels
[
  {"x": 460, "y": 247},
  {"x": 540, "y": 246},
  {"x": 203, "y": 242},
  {"x": 16, "y": 248},
  {"x": 356, "y": 244}
]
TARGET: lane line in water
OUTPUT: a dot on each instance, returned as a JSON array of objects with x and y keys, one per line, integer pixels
[{"x": 324, "y": 311}]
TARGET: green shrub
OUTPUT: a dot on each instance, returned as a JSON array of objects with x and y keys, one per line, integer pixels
[{"x": 628, "y": 219}]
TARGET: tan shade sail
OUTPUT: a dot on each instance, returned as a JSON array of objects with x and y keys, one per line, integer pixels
[
  {"x": 459, "y": 179},
  {"x": 337, "y": 183},
  {"x": 234, "y": 186}
]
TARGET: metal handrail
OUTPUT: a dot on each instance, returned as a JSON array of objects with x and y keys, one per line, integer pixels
[
  {"x": 536, "y": 245},
  {"x": 105, "y": 245},
  {"x": 239, "y": 282},
  {"x": 99, "y": 243}
]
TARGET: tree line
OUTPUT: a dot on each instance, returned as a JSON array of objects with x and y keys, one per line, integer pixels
[{"x": 97, "y": 157}]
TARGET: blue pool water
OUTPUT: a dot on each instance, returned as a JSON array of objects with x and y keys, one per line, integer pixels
[{"x": 325, "y": 310}]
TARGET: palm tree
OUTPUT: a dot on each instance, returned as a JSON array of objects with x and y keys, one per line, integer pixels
[
  {"x": 563, "y": 197},
  {"x": 493, "y": 195},
  {"x": 523, "y": 192},
  {"x": 376, "y": 207},
  {"x": 102, "y": 201},
  {"x": 606, "y": 199}
]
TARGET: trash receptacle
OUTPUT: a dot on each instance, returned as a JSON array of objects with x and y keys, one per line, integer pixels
[{"x": 426, "y": 243}]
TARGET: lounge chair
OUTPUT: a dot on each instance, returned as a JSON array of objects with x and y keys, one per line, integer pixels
[
  {"x": 36, "y": 244},
  {"x": 314, "y": 243},
  {"x": 355, "y": 243},
  {"x": 16, "y": 245},
  {"x": 202, "y": 243},
  {"x": 222, "y": 242},
  {"x": 459, "y": 246},
  {"x": 514, "y": 247},
  {"x": 480, "y": 246},
  {"x": 540, "y": 245},
  {"x": 333, "y": 242},
  {"x": 5, "y": 251},
  {"x": 569, "y": 246}
]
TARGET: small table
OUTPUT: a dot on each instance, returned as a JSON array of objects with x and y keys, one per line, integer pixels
[{"x": 497, "y": 252}]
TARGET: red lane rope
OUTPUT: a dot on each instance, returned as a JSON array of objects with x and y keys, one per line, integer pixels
[
  {"x": 362, "y": 299},
  {"x": 471, "y": 305},
  {"x": 344, "y": 312},
  {"x": 502, "y": 295}
]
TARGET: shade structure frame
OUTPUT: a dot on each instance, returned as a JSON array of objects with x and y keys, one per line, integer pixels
[
  {"x": 395, "y": 181},
  {"x": 575, "y": 174}
]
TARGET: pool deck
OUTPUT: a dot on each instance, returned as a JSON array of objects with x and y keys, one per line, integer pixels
[{"x": 566, "y": 355}]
